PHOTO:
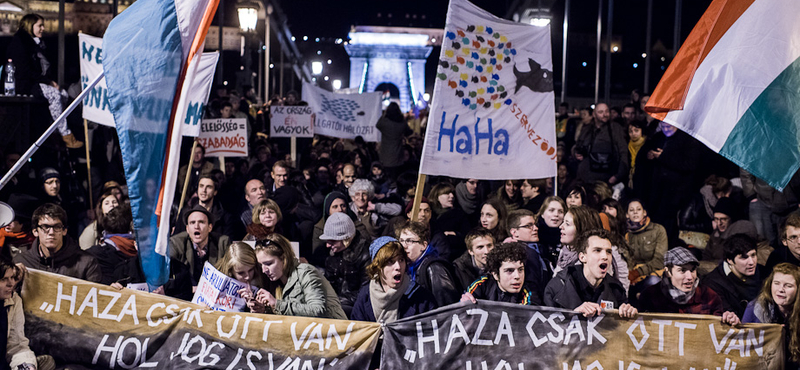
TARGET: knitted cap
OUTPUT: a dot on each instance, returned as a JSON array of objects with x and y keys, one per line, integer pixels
[
  {"x": 378, "y": 244},
  {"x": 679, "y": 256},
  {"x": 726, "y": 207},
  {"x": 339, "y": 226},
  {"x": 48, "y": 173}
]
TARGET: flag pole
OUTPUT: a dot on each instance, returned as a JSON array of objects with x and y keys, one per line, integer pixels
[
  {"x": 188, "y": 177},
  {"x": 88, "y": 162},
  {"x": 418, "y": 196},
  {"x": 36, "y": 145}
]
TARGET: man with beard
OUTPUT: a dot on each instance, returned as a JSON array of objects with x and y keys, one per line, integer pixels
[{"x": 205, "y": 197}]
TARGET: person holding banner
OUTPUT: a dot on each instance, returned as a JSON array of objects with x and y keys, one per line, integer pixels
[
  {"x": 505, "y": 281},
  {"x": 390, "y": 294},
  {"x": 32, "y": 71},
  {"x": 299, "y": 289},
  {"x": 680, "y": 292},
  {"x": 240, "y": 263},
  {"x": 12, "y": 325},
  {"x": 589, "y": 288},
  {"x": 778, "y": 304}
]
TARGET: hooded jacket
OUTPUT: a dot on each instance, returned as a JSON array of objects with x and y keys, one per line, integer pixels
[
  {"x": 70, "y": 261},
  {"x": 562, "y": 290}
]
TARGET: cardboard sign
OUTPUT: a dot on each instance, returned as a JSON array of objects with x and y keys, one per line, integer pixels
[
  {"x": 291, "y": 121},
  {"x": 224, "y": 137}
]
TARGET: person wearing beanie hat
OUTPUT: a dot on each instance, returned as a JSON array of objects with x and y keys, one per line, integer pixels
[
  {"x": 334, "y": 202},
  {"x": 725, "y": 224},
  {"x": 679, "y": 290},
  {"x": 51, "y": 184},
  {"x": 348, "y": 257},
  {"x": 390, "y": 294}
]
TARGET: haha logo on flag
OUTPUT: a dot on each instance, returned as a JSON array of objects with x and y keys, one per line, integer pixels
[{"x": 493, "y": 113}]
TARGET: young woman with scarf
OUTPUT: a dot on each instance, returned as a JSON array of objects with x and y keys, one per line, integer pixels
[{"x": 647, "y": 243}]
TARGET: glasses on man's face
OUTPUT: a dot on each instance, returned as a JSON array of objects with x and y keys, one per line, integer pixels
[
  {"x": 794, "y": 239},
  {"x": 410, "y": 241},
  {"x": 526, "y": 226},
  {"x": 48, "y": 228}
]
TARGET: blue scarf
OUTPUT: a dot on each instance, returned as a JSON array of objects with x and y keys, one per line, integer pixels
[{"x": 412, "y": 268}]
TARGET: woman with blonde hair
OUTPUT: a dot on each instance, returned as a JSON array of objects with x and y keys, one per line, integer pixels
[
  {"x": 240, "y": 263},
  {"x": 778, "y": 304},
  {"x": 296, "y": 289},
  {"x": 266, "y": 218}
]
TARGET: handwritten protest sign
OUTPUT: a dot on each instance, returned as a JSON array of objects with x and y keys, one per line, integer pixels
[
  {"x": 498, "y": 335},
  {"x": 98, "y": 327},
  {"x": 95, "y": 106},
  {"x": 344, "y": 115},
  {"x": 291, "y": 121},
  {"x": 492, "y": 110},
  {"x": 219, "y": 291},
  {"x": 224, "y": 137}
]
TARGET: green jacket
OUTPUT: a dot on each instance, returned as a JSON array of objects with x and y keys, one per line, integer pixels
[
  {"x": 647, "y": 249},
  {"x": 308, "y": 293}
]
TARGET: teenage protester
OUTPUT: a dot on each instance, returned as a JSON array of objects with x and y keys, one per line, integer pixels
[
  {"x": 425, "y": 268},
  {"x": 472, "y": 264},
  {"x": 522, "y": 227},
  {"x": 549, "y": 219},
  {"x": 240, "y": 263},
  {"x": 737, "y": 279},
  {"x": 789, "y": 250},
  {"x": 588, "y": 288},
  {"x": 505, "y": 281}
]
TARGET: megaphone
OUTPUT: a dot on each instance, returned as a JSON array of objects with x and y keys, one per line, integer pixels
[{"x": 6, "y": 214}]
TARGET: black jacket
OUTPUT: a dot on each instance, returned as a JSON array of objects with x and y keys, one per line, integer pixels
[
  {"x": 734, "y": 292},
  {"x": 28, "y": 57},
  {"x": 346, "y": 270},
  {"x": 436, "y": 275},
  {"x": 70, "y": 260},
  {"x": 465, "y": 269},
  {"x": 563, "y": 290},
  {"x": 486, "y": 288}
]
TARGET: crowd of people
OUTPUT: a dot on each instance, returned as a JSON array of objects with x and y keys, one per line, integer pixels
[{"x": 640, "y": 218}]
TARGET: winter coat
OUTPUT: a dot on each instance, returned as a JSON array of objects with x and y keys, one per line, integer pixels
[
  {"x": 308, "y": 293},
  {"x": 415, "y": 300},
  {"x": 185, "y": 270},
  {"x": 392, "y": 133},
  {"x": 436, "y": 275},
  {"x": 486, "y": 288},
  {"x": 655, "y": 299},
  {"x": 70, "y": 260},
  {"x": 346, "y": 270},
  {"x": 562, "y": 290},
  {"x": 734, "y": 292},
  {"x": 17, "y": 349},
  {"x": 30, "y": 63},
  {"x": 465, "y": 269},
  {"x": 647, "y": 248}
]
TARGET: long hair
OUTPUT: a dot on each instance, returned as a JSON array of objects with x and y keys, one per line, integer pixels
[
  {"x": 384, "y": 256},
  {"x": 241, "y": 254},
  {"x": 436, "y": 191},
  {"x": 27, "y": 22},
  {"x": 266, "y": 204},
  {"x": 585, "y": 219},
  {"x": 793, "y": 321},
  {"x": 278, "y": 246},
  {"x": 547, "y": 202},
  {"x": 98, "y": 214},
  {"x": 501, "y": 230}
]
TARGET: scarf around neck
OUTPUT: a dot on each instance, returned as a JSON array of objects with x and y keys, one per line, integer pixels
[
  {"x": 467, "y": 201},
  {"x": 677, "y": 295},
  {"x": 385, "y": 303},
  {"x": 636, "y": 227}
]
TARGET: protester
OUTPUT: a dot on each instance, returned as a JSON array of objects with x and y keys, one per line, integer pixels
[
  {"x": 647, "y": 242},
  {"x": 468, "y": 198},
  {"x": 117, "y": 245},
  {"x": 426, "y": 268},
  {"x": 373, "y": 214},
  {"x": 334, "y": 202},
  {"x": 472, "y": 264},
  {"x": 549, "y": 218},
  {"x": 92, "y": 234},
  {"x": 737, "y": 279},
  {"x": 54, "y": 251},
  {"x": 576, "y": 196},
  {"x": 447, "y": 218},
  {"x": 523, "y": 230},
  {"x": 509, "y": 194},
  {"x": 777, "y": 303},
  {"x": 534, "y": 193},
  {"x": 789, "y": 250},
  {"x": 266, "y": 220},
  {"x": 206, "y": 196},
  {"x": 200, "y": 166},
  {"x": 34, "y": 73},
  {"x": 298, "y": 289},
  {"x": 190, "y": 249},
  {"x": 588, "y": 288},
  {"x": 254, "y": 192},
  {"x": 390, "y": 294},
  {"x": 493, "y": 218},
  {"x": 393, "y": 128},
  {"x": 240, "y": 263},
  {"x": 505, "y": 281},
  {"x": 725, "y": 225},
  {"x": 679, "y": 290},
  {"x": 347, "y": 259}
]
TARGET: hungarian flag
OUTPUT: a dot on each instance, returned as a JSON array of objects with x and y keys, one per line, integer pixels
[
  {"x": 148, "y": 50},
  {"x": 735, "y": 86}
]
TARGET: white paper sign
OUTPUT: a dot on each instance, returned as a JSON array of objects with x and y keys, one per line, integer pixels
[
  {"x": 492, "y": 115},
  {"x": 95, "y": 105},
  {"x": 289, "y": 121},
  {"x": 219, "y": 291},
  {"x": 224, "y": 137},
  {"x": 344, "y": 115}
]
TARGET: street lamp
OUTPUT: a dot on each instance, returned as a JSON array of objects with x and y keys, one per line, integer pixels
[
  {"x": 248, "y": 16},
  {"x": 316, "y": 68}
]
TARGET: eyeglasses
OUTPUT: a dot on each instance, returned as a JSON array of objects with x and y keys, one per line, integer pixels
[
  {"x": 793, "y": 239},
  {"x": 410, "y": 241},
  {"x": 527, "y": 226},
  {"x": 47, "y": 228}
]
